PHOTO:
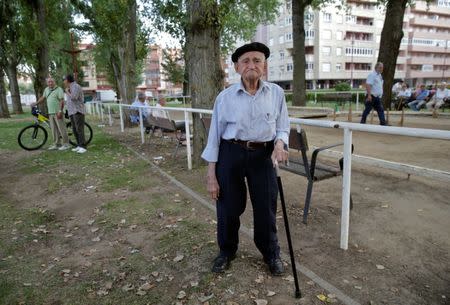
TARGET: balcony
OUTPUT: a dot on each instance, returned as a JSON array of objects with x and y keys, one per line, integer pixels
[
  {"x": 423, "y": 74},
  {"x": 431, "y": 9},
  {"x": 439, "y": 23},
  {"x": 428, "y": 49},
  {"x": 426, "y": 61}
]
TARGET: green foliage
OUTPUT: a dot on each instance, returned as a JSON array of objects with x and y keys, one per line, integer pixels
[
  {"x": 107, "y": 22},
  {"x": 172, "y": 67},
  {"x": 342, "y": 86},
  {"x": 236, "y": 19},
  {"x": 25, "y": 88}
]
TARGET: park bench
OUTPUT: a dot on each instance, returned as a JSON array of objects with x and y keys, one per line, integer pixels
[
  {"x": 313, "y": 170},
  {"x": 167, "y": 125}
]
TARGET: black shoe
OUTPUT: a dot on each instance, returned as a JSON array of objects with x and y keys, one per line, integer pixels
[
  {"x": 275, "y": 266},
  {"x": 222, "y": 263}
]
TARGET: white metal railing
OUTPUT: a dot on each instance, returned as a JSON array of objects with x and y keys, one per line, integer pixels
[{"x": 348, "y": 128}]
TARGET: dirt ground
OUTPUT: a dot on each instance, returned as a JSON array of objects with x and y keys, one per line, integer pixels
[{"x": 399, "y": 251}]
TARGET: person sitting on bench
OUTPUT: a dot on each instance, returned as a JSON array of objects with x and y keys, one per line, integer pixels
[
  {"x": 420, "y": 98},
  {"x": 134, "y": 117},
  {"x": 442, "y": 94},
  {"x": 161, "y": 113}
]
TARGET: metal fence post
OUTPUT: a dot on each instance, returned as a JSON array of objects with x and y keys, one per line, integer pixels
[
  {"x": 101, "y": 112},
  {"x": 109, "y": 115},
  {"x": 346, "y": 182},
  {"x": 141, "y": 125},
  {"x": 357, "y": 101},
  {"x": 121, "y": 117},
  {"x": 188, "y": 139}
]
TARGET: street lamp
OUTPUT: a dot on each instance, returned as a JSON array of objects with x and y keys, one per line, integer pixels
[
  {"x": 351, "y": 67},
  {"x": 445, "y": 59}
]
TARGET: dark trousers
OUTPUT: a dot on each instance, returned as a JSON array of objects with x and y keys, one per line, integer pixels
[
  {"x": 235, "y": 165},
  {"x": 77, "y": 121},
  {"x": 375, "y": 103}
]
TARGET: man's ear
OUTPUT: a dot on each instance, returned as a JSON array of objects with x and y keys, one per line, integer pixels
[{"x": 236, "y": 67}]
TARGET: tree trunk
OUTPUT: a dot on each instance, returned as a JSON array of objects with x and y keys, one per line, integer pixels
[
  {"x": 11, "y": 71},
  {"x": 391, "y": 37},
  {"x": 298, "y": 53},
  {"x": 41, "y": 68},
  {"x": 203, "y": 61},
  {"x": 4, "y": 111}
]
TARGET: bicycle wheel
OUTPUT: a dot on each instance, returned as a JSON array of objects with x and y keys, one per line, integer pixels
[
  {"x": 88, "y": 133},
  {"x": 32, "y": 137}
]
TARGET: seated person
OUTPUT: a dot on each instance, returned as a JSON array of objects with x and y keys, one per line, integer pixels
[
  {"x": 403, "y": 95},
  {"x": 442, "y": 94},
  {"x": 161, "y": 113},
  {"x": 138, "y": 103},
  {"x": 420, "y": 98},
  {"x": 397, "y": 87}
]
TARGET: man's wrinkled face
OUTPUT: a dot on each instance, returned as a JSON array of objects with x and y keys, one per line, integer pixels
[
  {"x": 51, "y": 82},
  {"x": 251, "y": 65}
]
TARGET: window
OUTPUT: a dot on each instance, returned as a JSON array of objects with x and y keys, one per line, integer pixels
[
  {"x": 289, "y": 67},
  {"x": 363, "y": 52},
  {"x": 281, "y": 55},
  {"x": 338, "y": 51},
  {"x": 309, "y": 66},
  {"x": 326, "y": 34},
  {"x": 288, "y": 20},
  {"x": 444, "y": 3},
  {"x": 427, "y": 68},
  {"x": 309, "y": 34},
  {"x": 338, "y": 67},
  {"x": 339, "y": 35},
  {"x": 281, "y": 39},
  {"x": 350, "y": 19},
  {"x": 326, "y": 17},
  {"x": 326, "y": 51},
  {"x": 339, "y": 19},
  {"x": 271, "y": 42},
  {"x": 289, "y": 37},
  {"x": 326, "y": 67}
]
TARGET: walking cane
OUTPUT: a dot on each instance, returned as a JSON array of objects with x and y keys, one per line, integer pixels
[{"x": 298, "y": 293}]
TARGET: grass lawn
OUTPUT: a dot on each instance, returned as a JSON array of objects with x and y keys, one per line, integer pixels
[{"x": 97, "y": 228}]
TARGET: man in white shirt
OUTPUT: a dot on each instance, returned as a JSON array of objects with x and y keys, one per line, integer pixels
[
  {"x": 374, "y": 92},
  {"x": 442, "y": 94}
]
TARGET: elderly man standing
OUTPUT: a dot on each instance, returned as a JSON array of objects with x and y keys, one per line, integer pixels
[
  {"x": 54, "y": 96},
  {"x": 374, "y": 92},
  {"x": 75, "y": 107},
  {"x": 248, "y": 135}
]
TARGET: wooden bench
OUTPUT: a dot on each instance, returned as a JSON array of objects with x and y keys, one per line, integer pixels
[
  {"x": 167, "y": 125},
  {"x": 312, "y": 170}
]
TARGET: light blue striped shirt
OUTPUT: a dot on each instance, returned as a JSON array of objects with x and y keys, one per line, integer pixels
[{"x": 239, "y": 115}]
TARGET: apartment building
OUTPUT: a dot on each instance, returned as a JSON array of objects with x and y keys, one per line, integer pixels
[
  {"x": 341, "y": 44},
  {"x": 153, "y": 78}
]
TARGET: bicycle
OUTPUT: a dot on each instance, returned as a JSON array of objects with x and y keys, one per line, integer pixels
[{"x": 35, "y": 136}]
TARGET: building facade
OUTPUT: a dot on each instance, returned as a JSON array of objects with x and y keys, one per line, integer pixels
[{"x": 341, "y": 44}]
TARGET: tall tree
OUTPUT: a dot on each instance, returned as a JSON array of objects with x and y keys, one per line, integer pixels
[
  {"x": 391, "y": 36},
  {"x": 11, "y": 48},
  {"x": 4, "y": 111},
  {"x": 120, "y": 37},
  {"x": 203, "y": 57},
  {"x": 299, "y": 8},
  {"x": 204, "y": 27},
  {"x": 298, "y": 53},
  {"x": 173, "y": 68}
]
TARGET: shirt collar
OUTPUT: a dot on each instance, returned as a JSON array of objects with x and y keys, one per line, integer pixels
[{"x": 263, "y": 85}]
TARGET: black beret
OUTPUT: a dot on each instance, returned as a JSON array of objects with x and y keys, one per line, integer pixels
[{"x": 254, "y": 46}]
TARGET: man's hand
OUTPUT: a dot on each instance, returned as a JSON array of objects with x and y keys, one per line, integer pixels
[
  {"x": 59, "y": 115},
  {"x": 369, "y": 98},
  {"x": 279, "y": 154},
  {"x": 211, "y": 181}
]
